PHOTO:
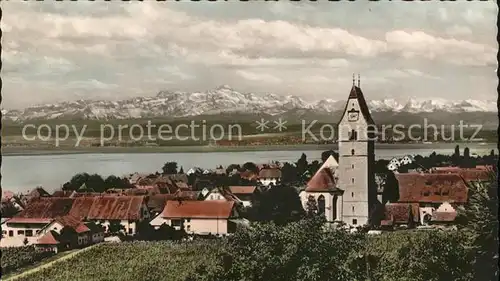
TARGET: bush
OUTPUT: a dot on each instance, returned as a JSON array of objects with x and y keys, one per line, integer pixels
[{"x": 14, "y": 258}]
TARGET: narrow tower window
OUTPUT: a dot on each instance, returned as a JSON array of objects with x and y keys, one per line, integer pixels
[
  {"x": 352, "y": 180},
  {"x": 352, "y": 151},
  {"x": 353, "y": 135}
]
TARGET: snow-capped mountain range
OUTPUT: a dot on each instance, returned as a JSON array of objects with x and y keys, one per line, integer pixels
[{"x": 224, "y": 99}]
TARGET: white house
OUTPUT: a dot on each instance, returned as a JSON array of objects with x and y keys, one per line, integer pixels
[
  {"x": 269, "y": 176},
  {"x": 392, "y": 167},
  {"x": 216, "y": 217},
  {"x": 244, "y": 194},
  {"x": 214, "y": 194},
  {"x": 406, "y": 160},
  {"x": 16, "y": 230}
]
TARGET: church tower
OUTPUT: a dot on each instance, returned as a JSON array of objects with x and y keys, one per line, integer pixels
[{"x": 357, "y": 159}]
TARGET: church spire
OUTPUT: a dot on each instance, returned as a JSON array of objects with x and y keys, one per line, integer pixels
[
  {"x": 353, "y": 81},
  {"x": 359, "y": 81}
]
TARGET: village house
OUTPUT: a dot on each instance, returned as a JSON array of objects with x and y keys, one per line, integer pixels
[
  {"x": 128, "y": 211},
  {"x": 268, "y": 176},
  {"x": 215, "y": 217},
  {"x": 221, "y": 193},
  {"x": 26, "y": 224},
  {"x": 244, "y": 194},
  {"x": 431, "y": 198},
  {"x": 156, "y": 203},
  {"x": 68, "y": 232}
]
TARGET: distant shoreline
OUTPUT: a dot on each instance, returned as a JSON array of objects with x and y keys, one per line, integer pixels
[{"x": 23, "y": 151}]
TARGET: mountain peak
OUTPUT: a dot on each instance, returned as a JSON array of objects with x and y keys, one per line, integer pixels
[{"x": 224, "y": 87}]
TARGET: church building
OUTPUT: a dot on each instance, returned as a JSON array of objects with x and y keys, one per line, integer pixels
[{"x": 346, "y": 191}]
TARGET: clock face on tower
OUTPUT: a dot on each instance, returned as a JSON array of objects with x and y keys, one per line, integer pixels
[{"x": 352, "y": 115}]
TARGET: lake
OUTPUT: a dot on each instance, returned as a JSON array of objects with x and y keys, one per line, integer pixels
[{"x": 24, "y": 172}]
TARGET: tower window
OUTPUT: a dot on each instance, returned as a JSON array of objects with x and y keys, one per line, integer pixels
[
  {"x": 353, "y": 209},
  {"x": 352, "y": 166},
  {"x": 352, "y": 151},
  {"x": 354, "y": 221},
  {"x": 353, "y": 135},
  {"x": 352, "y": 180},
  {"x": 352, "y": 194}
]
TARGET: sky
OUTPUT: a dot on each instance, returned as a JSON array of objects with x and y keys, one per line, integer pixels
[{"x": 62, "y": 51}]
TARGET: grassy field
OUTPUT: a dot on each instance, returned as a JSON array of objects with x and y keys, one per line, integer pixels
[{"x": 135, "y": 261}]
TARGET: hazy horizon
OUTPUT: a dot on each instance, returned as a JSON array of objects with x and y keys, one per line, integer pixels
[{"x": 67, "y": 51}]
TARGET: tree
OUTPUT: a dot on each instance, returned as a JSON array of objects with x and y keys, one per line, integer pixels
[
  {"x": 466, "y": 153},
  {"x": 280, "y": 204},
  {"x": 326, "y": 154},
  {"x": 302, "y": 165},
  {"x": 181, "y": 171},
  {"x": 76, "y": 181},
  {"x": 288, "y": 173},
  {"x": 96, "y": 182},
  {"x": 116, "y": 182},
  {"x": 68, "y": 237},
  {"x": 455, "y": 158},
  {"x": 8, "y": 209},
  {"x": 311, "y": 206},
  {"x": 300, "y": 251},
  {"x": 479, "y": 219},
  {"x": 232, "y": 167},
  {"x": 115, "y": 227},
  {"x": 249, "y": 166},
  {"x": 467, "y": 161},
  {"x": 169, "y": 168}
]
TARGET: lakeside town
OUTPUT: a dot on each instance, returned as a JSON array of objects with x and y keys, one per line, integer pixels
[{"x": 348, "y": 191}]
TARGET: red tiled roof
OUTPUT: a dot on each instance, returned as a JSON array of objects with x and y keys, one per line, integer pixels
[
  {"x": 73, "y": 222},
  {"x": 46, "y": 207},
  {"x": 157, "y": 202},
  {"x": 473, "y": 174},
  {"x": 242, "y": 189},
  {"x": 50, "y": 238},
  {"x": 108, "y": 207},
  {"x": 432, "y": 188},
  {"x": 399, "y": 213},
  {"x": 322, "y": 181},
  {"x": 198, "y": 209},
  {"x": 29, "y": 220},
  {"x": 270, "y": 173}
]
